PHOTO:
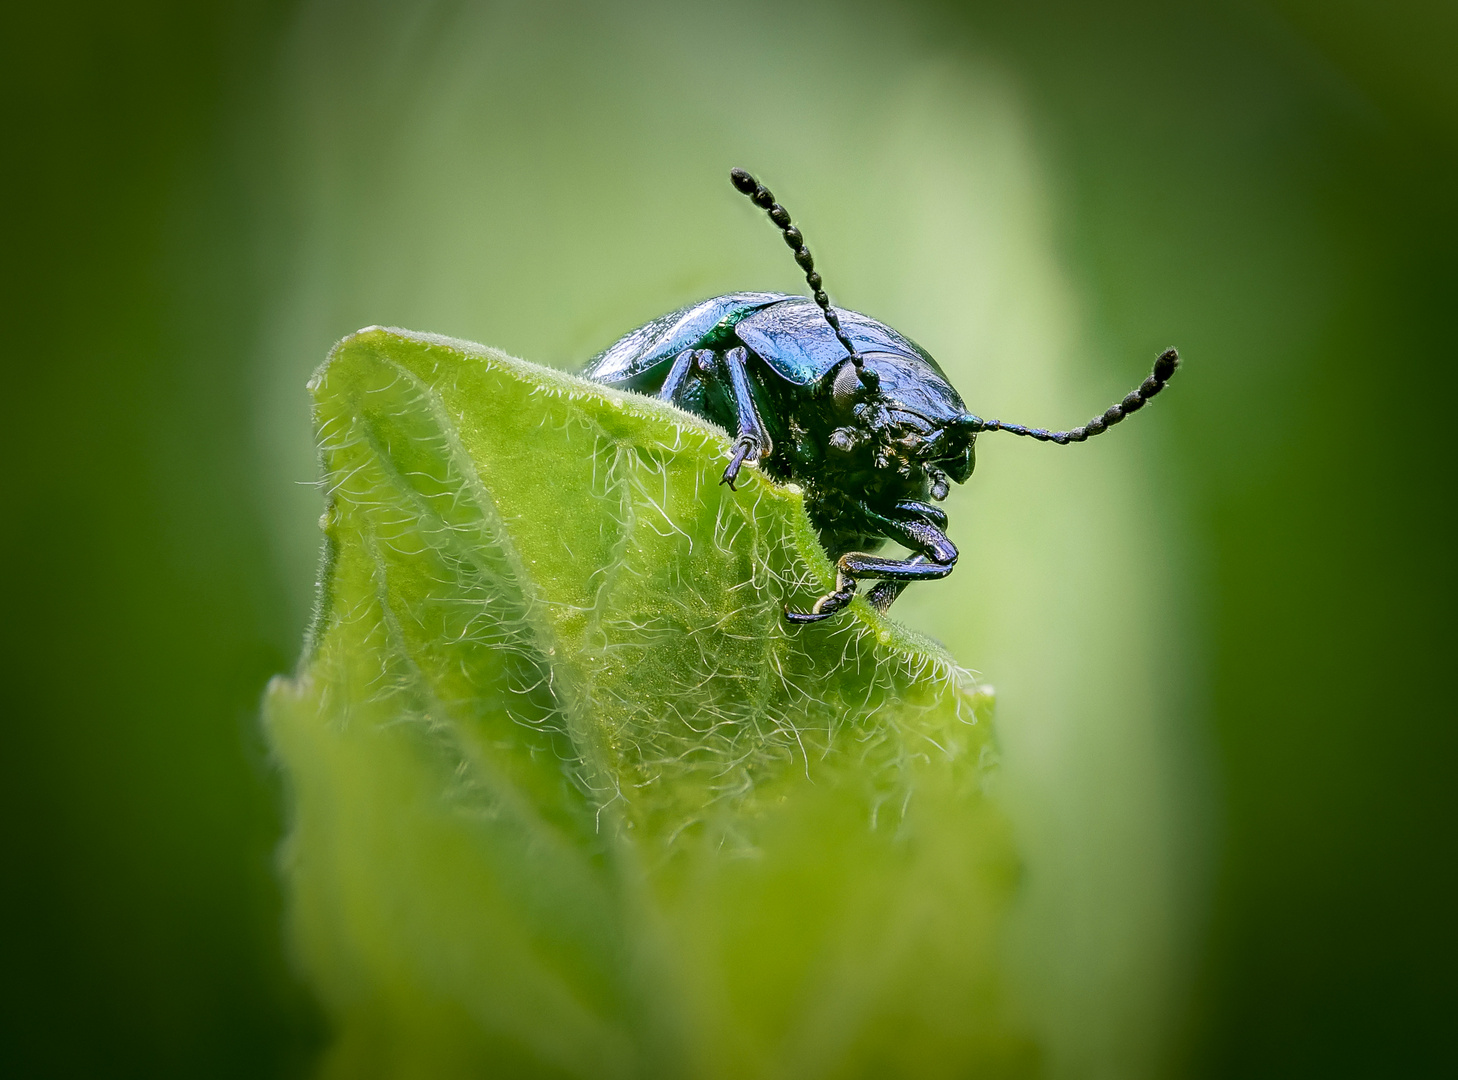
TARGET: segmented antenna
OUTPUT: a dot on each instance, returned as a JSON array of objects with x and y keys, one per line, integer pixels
[
  {"x": 762, "y": 198},
  {"x": 1164, "y": 369}
]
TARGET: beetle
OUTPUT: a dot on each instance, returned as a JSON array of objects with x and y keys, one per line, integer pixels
[{"x": 860, "y": 416}]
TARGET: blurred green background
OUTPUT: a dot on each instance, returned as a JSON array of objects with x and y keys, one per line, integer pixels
[{"x": 1217, "y": 636}]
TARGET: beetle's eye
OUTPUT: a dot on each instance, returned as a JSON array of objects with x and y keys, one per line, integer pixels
[{"x": 846, "y": 388}]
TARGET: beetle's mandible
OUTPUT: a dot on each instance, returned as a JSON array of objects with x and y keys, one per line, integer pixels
[{"x": 862, "y": 418}]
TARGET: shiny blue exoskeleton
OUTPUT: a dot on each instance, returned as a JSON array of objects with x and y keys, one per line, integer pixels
[{"x": 861, "y": 417}]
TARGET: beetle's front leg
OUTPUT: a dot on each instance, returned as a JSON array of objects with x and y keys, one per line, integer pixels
[
  {"x": 887, "y": 592},
  {"x": 934, "y": 557},
  {"x": 753, "y": 441}
]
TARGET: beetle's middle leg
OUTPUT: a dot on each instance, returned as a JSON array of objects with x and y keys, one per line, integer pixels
[
  {"x": 753, "y": 441},
  {"x": 678, "y": 374},
  {"x": 934, "y": 557}
]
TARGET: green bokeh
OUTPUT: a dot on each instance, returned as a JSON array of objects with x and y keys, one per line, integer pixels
[{"x": 1218, "y": 637}]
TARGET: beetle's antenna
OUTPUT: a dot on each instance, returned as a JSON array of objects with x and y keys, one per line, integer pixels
[
  {"x": 762, "y": 198},
  {"x": 1164, "y": 369}
]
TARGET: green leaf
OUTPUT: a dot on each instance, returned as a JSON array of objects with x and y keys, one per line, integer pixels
[{"x": 570, "y": 798}]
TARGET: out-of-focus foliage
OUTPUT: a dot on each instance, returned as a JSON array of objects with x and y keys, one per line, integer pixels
[
  {"x": 570, "y": 798},
  {"x": 1220, "y": 635}
]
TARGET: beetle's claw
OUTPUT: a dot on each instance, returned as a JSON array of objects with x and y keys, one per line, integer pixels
[{"x": 827, "y": 605}]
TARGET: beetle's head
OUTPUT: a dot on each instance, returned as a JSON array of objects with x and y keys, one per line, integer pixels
[{"x": 913, "y": 424}]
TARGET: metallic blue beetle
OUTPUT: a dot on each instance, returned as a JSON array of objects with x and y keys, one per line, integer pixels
[{"x": 861, "y": 417}]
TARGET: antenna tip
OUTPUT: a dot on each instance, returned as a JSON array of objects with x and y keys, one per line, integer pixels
[
  {"x": 743, "y": 181},
  {"x": 1165, "y": 366}
]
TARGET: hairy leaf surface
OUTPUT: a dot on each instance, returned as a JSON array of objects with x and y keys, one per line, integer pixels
[{"x": 568, "y": 796}]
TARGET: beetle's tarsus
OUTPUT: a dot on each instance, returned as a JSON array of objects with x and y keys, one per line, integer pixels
[
  {"x": 799, "y": 618},
  {"x": 827, "y": 605},
  {"x": 830, "y": 603},
  {"x": 747, "y": 446}
]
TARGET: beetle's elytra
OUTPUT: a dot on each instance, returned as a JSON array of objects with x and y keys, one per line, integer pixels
[{"x": 862, "y": 418}]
